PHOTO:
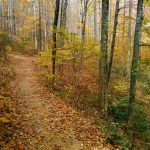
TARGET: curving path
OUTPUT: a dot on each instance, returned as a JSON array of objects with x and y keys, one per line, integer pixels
[{"x": 45, "y": 121}]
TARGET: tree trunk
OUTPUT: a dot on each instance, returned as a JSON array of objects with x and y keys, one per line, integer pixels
[
  {"x": 123, "y": 38},
  {"x": 129, "y": 38},
  {"x": 113, "y": 40},
  {"x": 63, "y": 18},
  {"x": 55, "y": 24},
  {"x": 2, "y": 15},
  {"x": 40, "y": 28},
  {"x": 136, "y": 49},
  {"x": 46, "y": 24},
  {"x": 95, "y": 20},
  {"x": 35, "y": 27},
  {"x": 14, "y": 17},
  {"x": 99, "y": 3},
  {"x": 104, "y": 53},
  {"x": 83, "y": 21}
]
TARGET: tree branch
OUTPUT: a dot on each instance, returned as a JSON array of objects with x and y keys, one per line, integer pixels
[{"x": 145, "y": 44}]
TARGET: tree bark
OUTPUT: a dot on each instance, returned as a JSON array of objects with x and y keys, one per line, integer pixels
[
  {"x": 113, "y": 40},
  {"x": 63, "y": 18},
  {"x": 99, "y": 3},
  {"x": 40, "y": 28},
  {"x": 136, "y": 49},
  {"x": 95, "y": 20},
  {"x": 35, "y": 26},
  {"x": 83, "y": 23},
  {"x": 123, "y": 37},
  {"x": 129, "y": 38},
  {"x": 104, "y": 53},
  {"x": 55, "y": 24},
  {"x": 46, "y": 26}
]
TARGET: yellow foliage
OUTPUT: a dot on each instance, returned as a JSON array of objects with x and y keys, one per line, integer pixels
[{"x": 4, "y": 120}]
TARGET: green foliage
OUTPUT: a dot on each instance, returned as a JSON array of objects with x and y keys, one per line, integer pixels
[
  {"x": 72, "y": 49},
  {"x": 123, "y": 130},
  {"x": 115, "y": 135},
  {"x": 4, "y": 39},
  {"x": 46, "y": 77},
  {"x": 23, "y": 44},
  {"x": 4, "y": 42},
  {"x": 119, "y": 110},
  {"x": 144, "y": 76},
  {"x": 63, "y": 94},
  {"x": 139, "y": 123}
]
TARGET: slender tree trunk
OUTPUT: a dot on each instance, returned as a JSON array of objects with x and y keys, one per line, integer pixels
[
  {"x": 95, "y": 20},
  {"x": 136, "y": 49},
  {"x": 2, "y": 10},
  {"x": 123, "y": 38},
  {"x": 40, "y": 28},
  {"x": 55, "y": 24},
  {"x": 104, "y": 53},
  {"x": 99, "y": 36},
  {"x": 35, "y": 27},
  {"x": 8, "y": 19},
  {"x": 129, "y": 38},
  {"x": 63, "y": 18},
  {"x": 3, "y": 19},
  {"x": 45, "y": 30},
  {"x": 83, "y": 23},
  {"x": 113, "y": 40},
  {"x": 14, "y": 17},
  {"x": 99, "y": 22},
  {"x": 110, "y": 28}
]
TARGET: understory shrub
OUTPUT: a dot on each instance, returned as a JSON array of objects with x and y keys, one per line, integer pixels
[
  {"x": 130, "y": 133},
  {"x": 7, "y": 111},
  {"x": 114, "y": 135},
  {"x": 119, "y": 110}
]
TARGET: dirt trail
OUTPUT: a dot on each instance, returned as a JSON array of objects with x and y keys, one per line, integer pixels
[{"x": 47, "y": 122}]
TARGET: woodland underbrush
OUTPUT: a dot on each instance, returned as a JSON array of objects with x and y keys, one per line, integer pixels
[
  {"x": 7, "y": 105},
  {"x": 81, "y": 88},
  {"x": 77, "y": 82}
]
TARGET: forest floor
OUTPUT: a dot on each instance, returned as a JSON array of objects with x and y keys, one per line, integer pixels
[{"x": 45, "y": 121}]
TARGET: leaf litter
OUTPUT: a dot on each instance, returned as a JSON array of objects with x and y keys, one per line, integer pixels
[{"x": 45, "y": 121}]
